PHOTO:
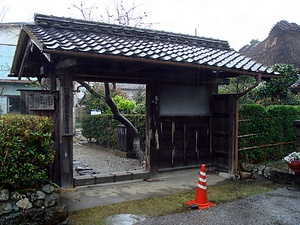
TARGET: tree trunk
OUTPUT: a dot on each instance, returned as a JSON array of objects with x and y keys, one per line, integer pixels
[
  {"x": 118, "y": 116},
  {"x": 133, "y": 131}
]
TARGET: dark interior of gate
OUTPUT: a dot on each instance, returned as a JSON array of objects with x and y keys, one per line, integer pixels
[
  {"x": 188, "y": 123},
  {"x": 184, "y": 142}
]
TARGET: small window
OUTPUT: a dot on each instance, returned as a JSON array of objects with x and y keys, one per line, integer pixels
[{"x": 178, "y": 100}]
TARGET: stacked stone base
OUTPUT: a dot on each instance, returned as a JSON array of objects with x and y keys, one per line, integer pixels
[
  {"x": 260, "y": 172},
  {"x": 32, "y": 207}
]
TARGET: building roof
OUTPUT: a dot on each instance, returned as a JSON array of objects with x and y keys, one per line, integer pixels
[
  {"x": 70, "y": 37},
  {"x": 282, "y": 46},
  {"x": 15, "y": 81}
]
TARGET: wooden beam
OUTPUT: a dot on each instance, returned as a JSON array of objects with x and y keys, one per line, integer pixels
[
  {"x": 25, "y": 55},
  {"x": 67, "y": 63}
]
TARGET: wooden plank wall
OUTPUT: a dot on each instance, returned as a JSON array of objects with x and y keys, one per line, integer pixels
[{"x": 184, "y": 142}]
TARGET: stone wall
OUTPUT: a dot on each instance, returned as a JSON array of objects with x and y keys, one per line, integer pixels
[
  {"x": 260, "y": 172},
  {"x": 32, "y": 207}
]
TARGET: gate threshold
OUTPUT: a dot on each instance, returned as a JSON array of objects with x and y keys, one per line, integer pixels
[{"x": 110, "y": 177}]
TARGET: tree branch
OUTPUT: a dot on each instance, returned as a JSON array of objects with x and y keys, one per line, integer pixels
[
  {"x": 118, "y": 116},
  {"x": 90, "y": 89}
]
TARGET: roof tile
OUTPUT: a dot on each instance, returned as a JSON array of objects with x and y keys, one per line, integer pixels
[{"x": 63, "y": 34}]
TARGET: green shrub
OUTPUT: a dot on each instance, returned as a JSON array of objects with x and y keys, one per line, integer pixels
[
  {"x": 25, "y": 150},
  {"x": 123, "y": 104},
  {"x": 267, "y": 127},
  {"x": 103, "y": 128}
]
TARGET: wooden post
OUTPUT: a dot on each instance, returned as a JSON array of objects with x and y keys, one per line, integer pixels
[
  {"x": 49, "y": 108},
  {"x": 153, "y": 128},
  {"x": 232, "y": 136},
  {"x": 66, "y": 131},
  {"x": 52, "y": 82},
  {"x": 236, "y": 143}
]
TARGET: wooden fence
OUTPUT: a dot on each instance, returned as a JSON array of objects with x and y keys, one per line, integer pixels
[{"x": 262, "y": 137}]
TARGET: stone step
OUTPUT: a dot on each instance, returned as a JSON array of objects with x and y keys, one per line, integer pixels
[{"x": 110, "y": 177}]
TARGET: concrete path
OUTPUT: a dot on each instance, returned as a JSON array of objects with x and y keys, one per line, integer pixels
[
  {"x": 168, "y": 183},
  {"x": 281, "y": 206}
]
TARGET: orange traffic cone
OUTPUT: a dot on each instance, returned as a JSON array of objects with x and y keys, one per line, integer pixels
[{"x": 201, "y": 194}]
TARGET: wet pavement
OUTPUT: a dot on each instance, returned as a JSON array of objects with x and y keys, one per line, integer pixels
[
  {"x": 110, "y": 193},
  {"x": 281, "y": 206}
]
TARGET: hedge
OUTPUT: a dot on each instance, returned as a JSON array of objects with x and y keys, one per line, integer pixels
[
  {"x": 103, "y": 128},
  {"x": 268, "y": 127},
  {"x": 272, "y": 125},
  {"x": 25, "y": 151}
]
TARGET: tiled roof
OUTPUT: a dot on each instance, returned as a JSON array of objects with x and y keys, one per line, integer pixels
[{"x": 68, "y": 35}]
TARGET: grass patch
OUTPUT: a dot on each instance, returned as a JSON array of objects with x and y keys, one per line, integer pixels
[{"x": 170, "y": 204}]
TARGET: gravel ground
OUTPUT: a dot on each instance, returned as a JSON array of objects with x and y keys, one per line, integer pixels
[{"x": 102, "y": 160}]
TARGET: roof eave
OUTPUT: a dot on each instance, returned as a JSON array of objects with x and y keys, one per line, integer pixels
[{"x": 234, "y": 72}]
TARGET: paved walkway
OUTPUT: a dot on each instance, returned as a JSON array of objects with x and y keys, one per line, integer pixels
[
  {"x": 168, "y": 183},
  {"x": 281, "y": 206}
]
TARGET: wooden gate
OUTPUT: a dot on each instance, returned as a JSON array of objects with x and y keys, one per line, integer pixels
[
  {"x": 223, "y": 132},
  {"x": 184, "y": 142},
  {"x": 45, "y": 103}
]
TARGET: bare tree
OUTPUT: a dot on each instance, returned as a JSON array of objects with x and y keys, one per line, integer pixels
[
  {"x": 85, "y": 11},
  {"x": 3, "y": 12},
  {"x": 117, "y": 13},
  {"x": 127, "y": 15}
]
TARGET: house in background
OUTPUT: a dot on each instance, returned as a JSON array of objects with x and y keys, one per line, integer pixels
[
  {"x": 282, "y": 46},
  {"x": 9, "y": 96}
]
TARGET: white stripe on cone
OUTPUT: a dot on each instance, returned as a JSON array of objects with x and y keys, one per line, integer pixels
[
  {"x": 202, "y": 187},
  {"x": 202, "y": 180}
]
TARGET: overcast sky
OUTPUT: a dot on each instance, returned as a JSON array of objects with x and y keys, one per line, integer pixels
[{"x": 237, "y": 21}]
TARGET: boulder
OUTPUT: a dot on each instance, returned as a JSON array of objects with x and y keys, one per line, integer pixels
[
  {"x": 5, "y": 207},
  {"x": 51, "y": 200},
  {"x": 34, "y": 215},
  {"x": 56, "y": 214},
  {"x": 38, "y": 203},
  {"x": 15, "y": 196},
  {"x": 33, "y": 196},
  {"x": 24, "y": 204},
  {"x": 4, "y": 195},
  {"x": 246, "y": 167},
  {"x": 48, "y": 189},
  {"x": 245, "y": 175},
  {"x": 12, "y": 218},
  {"x": 40, "y": 195}
]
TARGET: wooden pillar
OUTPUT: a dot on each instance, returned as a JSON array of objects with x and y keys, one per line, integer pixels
[
  {"x": 153, "y": 128},
  {"x": 233, "y": 113},
  {"x": 66, "y": 131},
  {"x": 52, "y": 82}
]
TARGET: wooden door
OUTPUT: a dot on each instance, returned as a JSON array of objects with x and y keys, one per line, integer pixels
[
  {"x": 184, "y": 142},
  {"x": 223, "y": 132}
]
